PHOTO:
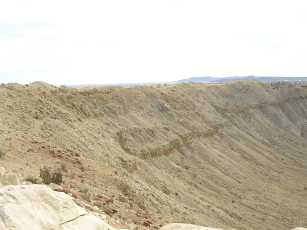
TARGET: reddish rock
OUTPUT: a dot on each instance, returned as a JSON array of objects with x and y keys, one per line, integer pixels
[
  {"x": 105, "y": 199},
  {"x": 99, "y": 204},
  {"x": 79, "y": 175},
  {"x": 101, "y": 200},
  {"x": 107, "y": 210},
  {"x": 78, "y": 161},
  {"x": 114, "y": 210},
  {"x": 147, "y": 223},
  {"x": 74, "y": 195}
]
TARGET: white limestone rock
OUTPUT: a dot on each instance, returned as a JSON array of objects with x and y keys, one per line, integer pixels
[
  {"x": 38, "y": 207},
  {"x": 87, "y": 222}
]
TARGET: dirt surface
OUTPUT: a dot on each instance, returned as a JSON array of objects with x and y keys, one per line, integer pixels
[{"x": 223, "y": 156}]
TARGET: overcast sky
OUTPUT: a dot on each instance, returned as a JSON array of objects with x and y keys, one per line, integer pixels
[{"x": 114, "y": 41}]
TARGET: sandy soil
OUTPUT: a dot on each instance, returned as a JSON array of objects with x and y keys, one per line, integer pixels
[{"x": 223, "y": 156}]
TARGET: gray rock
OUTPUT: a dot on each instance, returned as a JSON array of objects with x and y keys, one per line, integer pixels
[
  {"x": 9, "y": 179},
  {"x": 31, "y": 149},
  {"x": 88, "y": 197}
]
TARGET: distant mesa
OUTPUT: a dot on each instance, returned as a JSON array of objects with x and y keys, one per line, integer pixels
[
  {"x": 250, "y": 77},
  {"x": 207, "y": 79}
]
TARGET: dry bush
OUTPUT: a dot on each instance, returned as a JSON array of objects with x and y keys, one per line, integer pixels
[
  {"x": 2, "y": 153},
  {"x": 124, "y": 187},
  {"x": 166, "y": 191},
  {"x": 133, "y": 166},
  {"x": 31, "y": 179},
  {"x": 49, "y": 176}
]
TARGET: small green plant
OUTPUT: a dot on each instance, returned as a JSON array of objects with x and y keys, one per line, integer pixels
[{"x": 48, "y": 176}]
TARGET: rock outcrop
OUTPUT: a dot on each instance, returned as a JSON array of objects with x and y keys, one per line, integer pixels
[{"x": 38, "y": 207}]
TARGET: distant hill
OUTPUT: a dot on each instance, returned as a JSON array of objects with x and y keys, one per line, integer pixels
[
  {"x": 203, "y": 79},
  {"x": 251, "y": 77},
  {"x": 207, "y": 79}
]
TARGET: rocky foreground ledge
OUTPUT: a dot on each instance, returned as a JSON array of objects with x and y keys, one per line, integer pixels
[{"x": 38, "y": 207}]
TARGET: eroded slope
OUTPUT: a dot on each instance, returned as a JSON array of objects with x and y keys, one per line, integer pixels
[{"x": 226, "y": 156}]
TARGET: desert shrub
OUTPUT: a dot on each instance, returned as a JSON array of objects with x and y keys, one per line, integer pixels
[
  {"x": 31, "y": 179},
  {"x": 133, "y": 166},
  {"x": 124, "y": 187},
  {"x": 48, "y": 176},
  {"x": 63, "y": 167},
  {"x": 166, "y": 190},
  {"x": 2, "y": 153}
]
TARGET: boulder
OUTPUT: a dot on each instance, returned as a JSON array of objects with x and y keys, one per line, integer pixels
[
  {"x": 87, "y": 222},
  {"x": 38, "y": 207},
  {"x": 9, "y": 179},
  {"x": 88, "y": 197}
]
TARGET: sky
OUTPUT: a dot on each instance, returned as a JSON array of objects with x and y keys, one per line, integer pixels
[{"x": 121, "y": 41}]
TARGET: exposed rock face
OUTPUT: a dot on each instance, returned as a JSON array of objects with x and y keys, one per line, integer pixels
[{"x": 38, "y": 207}]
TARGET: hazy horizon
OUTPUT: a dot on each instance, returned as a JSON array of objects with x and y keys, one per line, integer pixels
[
  {"x": 107, "y": 42},
  {"x": 196, "y": 79}
]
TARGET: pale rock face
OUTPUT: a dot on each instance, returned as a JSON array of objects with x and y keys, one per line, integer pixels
[
  {"x": 87, "y": 222},
  {"x": 38, "y": 207},
  {"x": 177, "y": 226}
]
